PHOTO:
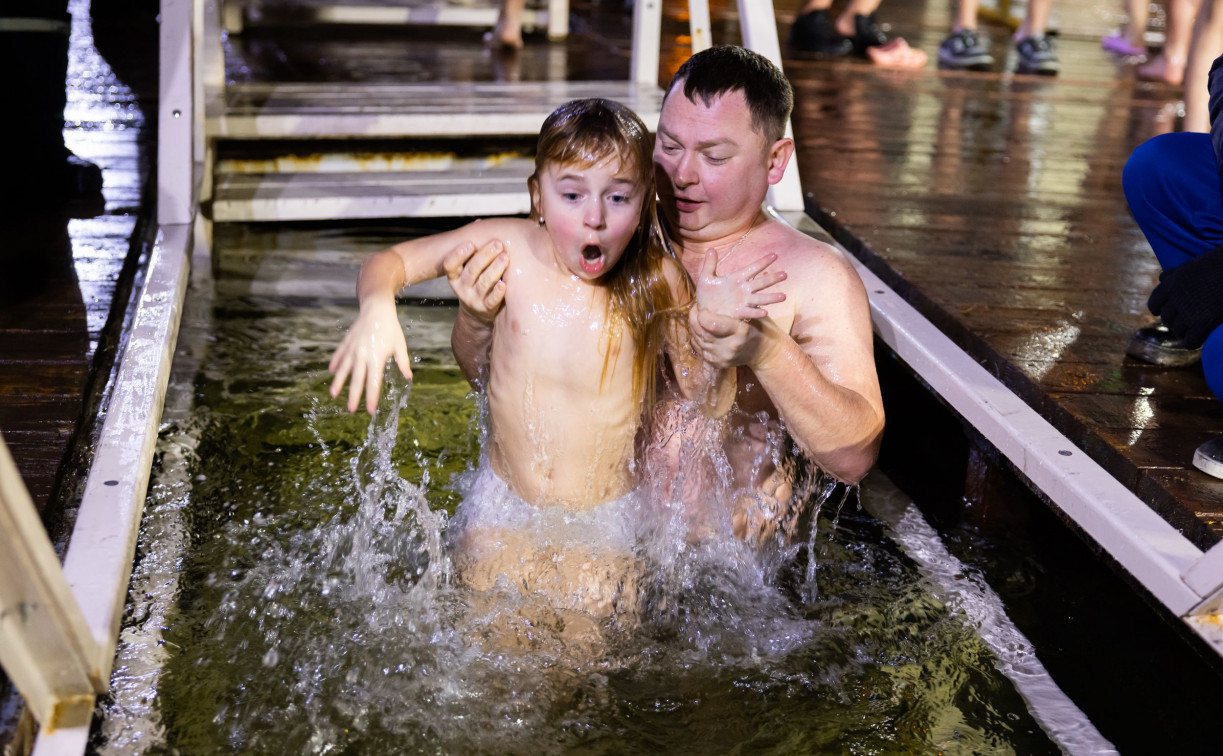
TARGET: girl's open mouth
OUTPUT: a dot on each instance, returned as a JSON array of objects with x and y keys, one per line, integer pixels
[{"x": 592, "y": 259}]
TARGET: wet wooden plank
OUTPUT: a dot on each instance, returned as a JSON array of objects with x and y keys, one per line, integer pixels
[{"x": 992, "y": 201}]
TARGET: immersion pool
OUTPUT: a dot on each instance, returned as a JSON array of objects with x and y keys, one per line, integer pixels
[{"x": 292, "y": 595}]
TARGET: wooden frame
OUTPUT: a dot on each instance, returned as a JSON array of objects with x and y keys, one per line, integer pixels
[{"x": 45, "y": 645}]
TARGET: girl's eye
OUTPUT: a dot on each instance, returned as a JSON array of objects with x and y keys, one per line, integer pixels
[
  {"x": 619, "y": 199},
  {"x": 570, "y": 196}
]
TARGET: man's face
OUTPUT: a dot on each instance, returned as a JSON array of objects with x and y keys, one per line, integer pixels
[{"x": 712, "y": 167}]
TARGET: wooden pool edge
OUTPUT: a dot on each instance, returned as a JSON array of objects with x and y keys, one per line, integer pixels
[{"x": 1170, "y": 567}]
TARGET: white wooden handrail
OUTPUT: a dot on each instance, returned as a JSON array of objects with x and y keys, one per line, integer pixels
[{"x": 45, "y": 645}]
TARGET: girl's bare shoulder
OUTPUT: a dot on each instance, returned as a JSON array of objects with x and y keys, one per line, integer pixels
[{"x": 519, "y": 235}]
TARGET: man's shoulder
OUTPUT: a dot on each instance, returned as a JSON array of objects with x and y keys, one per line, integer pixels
[{"x": 799, "y": 252}]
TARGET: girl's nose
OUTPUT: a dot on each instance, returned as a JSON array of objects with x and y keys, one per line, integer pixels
[{"x": 595, "y": 215}]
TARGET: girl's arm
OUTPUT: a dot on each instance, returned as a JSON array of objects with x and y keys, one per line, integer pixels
[
  {"x": 730, "y": 297},
  {"x": 698, "y": 381},
  {"x": 376, "y": 336},
  {"x": 476, "y": 277}
]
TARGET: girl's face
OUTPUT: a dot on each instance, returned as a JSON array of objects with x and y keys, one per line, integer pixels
[{"x": 591, "y": 213}]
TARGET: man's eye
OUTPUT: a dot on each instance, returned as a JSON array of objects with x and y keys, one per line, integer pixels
[{"x": 716, "y": 160}]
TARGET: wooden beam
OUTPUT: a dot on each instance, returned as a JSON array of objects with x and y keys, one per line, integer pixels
[{"x": 45, "y": 646}]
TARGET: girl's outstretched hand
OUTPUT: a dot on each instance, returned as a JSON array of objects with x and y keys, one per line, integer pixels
[
  {"x": 722, "y": 324},
  {"x": 739, "y": 294},
  {"x": 375, "y": 337}
]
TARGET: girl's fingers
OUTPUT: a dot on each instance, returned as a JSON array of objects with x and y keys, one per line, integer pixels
[
  {"x": 354, "y": 388},
  {"x": 373, "y": 386},
  {"x": 456, "y": 262},
  {"x": 765, "y": 280},
  {"x": 342, "y": 367},
  {"x": 710, "y": 265},
  {"x": 765, "y": 298},
  {"x": 401, "y": 359},
  {"x": 495, "y": 296},
  {"x": 492, "y": 273},
  {"x": 754, "y": 267}
]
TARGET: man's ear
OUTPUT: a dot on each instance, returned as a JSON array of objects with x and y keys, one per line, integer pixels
[{"x": 779, "y": 156}]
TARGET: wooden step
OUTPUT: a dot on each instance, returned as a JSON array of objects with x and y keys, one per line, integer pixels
[
  {"x": 301, "y": 262},
  {"x": 551, "y": 15},
  {"x": 382, "y": 13},
  {"x": 500, "y": 190},
  {"x": 391, "y": 110}
]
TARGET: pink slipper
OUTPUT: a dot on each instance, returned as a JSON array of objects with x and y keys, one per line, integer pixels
[
  {"x": 1119, "y": 45},
  {"x": 897, "y": 54}
]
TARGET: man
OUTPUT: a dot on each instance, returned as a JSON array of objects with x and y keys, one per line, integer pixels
[
  {"x": 1172, "y": 183},
  {"x": 809, "y": 364}
]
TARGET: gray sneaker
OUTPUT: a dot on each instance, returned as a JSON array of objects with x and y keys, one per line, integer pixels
[
  {"x": 1209, "y": 457},
  {"x": 963, "y": 50},
  {"x": 1036, "y": 56}
]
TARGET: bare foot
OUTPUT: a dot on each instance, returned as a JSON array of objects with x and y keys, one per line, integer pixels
[
  {"x": 897, "y": 54},
  {"x": 504, "y": 36},
  {"x": 1162, "y": 68}
]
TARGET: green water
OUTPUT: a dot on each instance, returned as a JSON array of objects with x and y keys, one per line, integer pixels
[{"x": 292, "y": 596}]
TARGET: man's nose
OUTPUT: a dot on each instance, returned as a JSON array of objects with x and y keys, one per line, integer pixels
[{"x": 685, "y": 173}]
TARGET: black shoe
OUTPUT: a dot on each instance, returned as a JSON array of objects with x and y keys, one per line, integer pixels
[
  {"x": 1036, "y": 56},
  {"x": 1157, "y": 345},
  {"x": 815, "y": 32},
  {"x": 1209, "y": 457},
  {"x": 867, "y": 33},
  {"x": 963, "y": 50}
]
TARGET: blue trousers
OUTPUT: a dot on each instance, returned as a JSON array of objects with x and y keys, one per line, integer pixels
[{"x": 1171, "y": 183}]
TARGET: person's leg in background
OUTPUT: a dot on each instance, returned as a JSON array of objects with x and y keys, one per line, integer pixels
[
  {"x": 1172, "y": 187},
  {"x": 1207, "y": 43},
  {"x": 855, "y": 30},
  {"x": 963, "y": 48},
  {"x": 1169, "y": 65},
  {"x": 508, "y": 31},
  {"x": 1035, "y": 49},
  {"x": 1131, "y": 41},
  {"x": 1171, "y": 183}
]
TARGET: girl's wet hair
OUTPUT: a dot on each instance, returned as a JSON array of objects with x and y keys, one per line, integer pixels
[{"x": 587, "y": 132}]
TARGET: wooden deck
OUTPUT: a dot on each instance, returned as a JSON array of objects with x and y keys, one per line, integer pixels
[{"x": 991, "y": 201}]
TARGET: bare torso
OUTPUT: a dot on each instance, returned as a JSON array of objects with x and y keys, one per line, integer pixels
[{"x": 563, "y": 416}]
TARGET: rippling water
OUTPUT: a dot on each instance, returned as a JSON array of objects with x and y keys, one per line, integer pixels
[{"x": 293, "y": 595}]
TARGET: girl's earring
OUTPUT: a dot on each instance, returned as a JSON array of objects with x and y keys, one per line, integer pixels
[{"x": 541, "y": 220}]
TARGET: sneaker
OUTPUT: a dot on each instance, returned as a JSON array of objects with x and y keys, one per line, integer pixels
[
  {"x": 1036, "y": 56},
  {"x": 963, "y": 50},
  {"x": 1209, "y": 457},
  {"x": 816, "y": 32},
  {"x": 1157, "y": 345}
]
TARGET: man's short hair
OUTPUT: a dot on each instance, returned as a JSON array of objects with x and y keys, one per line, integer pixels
[{"x": 728, "y": 68}]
